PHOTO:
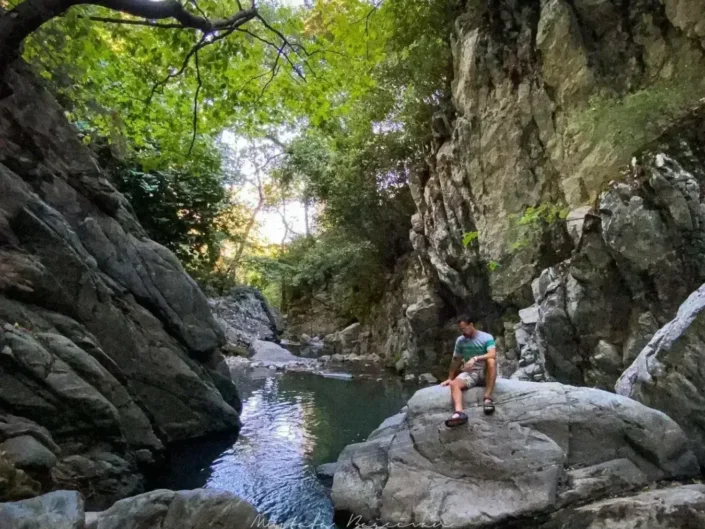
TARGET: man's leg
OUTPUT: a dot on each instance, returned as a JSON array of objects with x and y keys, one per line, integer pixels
[
  {"x": 456, "y": 392},
  {"x": 490, "y": 377}
]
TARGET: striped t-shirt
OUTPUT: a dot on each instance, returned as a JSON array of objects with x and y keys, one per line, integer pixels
[{"x": 479, "y": 344}]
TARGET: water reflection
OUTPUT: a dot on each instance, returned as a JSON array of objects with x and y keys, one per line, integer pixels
[{"x": 291, "y": 424}]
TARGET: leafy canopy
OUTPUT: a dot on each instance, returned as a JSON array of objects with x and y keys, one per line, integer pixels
[{"x": 358, "y": 85}]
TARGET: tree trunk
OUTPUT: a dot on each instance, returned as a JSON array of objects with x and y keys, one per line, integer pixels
[{"x": 241, "y": 249}]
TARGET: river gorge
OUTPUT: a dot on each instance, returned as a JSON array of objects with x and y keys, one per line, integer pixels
[{"x": 560, "y": 200}]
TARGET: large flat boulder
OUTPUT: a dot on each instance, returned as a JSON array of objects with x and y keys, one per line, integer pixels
[
  {"x": 668, "y": 374},
  {"x": 548, "y": 445}
]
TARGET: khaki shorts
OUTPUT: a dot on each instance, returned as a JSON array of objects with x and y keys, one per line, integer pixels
[{"x": 473, "y": 378}]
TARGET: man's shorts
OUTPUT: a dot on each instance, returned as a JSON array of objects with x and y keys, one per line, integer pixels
[{"x": 473, "y": 378}]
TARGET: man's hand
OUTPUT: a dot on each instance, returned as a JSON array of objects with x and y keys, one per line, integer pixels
[
  {"x": 446, "y": 382},
  {"x": 468, "y": 365}
]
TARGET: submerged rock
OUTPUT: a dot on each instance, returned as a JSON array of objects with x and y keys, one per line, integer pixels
[
  {"x": 326, "y": 470},
  {"x": 57, "y": 510},
  {"x": 427, "y": 378},
  {"x": 519, "y": 461}
]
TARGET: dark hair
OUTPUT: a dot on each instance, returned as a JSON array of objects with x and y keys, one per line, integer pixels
[{"x": 466, "y": 318}]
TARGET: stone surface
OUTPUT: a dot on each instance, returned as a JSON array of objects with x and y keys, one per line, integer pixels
[
  {"x": 427, "y": 378},
  {"x": 56, "y": 510},
  {"x": 326, "y": 470},
  {"x": 671, "y": 508},
  {"x": 519, "y": 461},
  {"x": 28, "y": 453},
  {"x": 270, "y": 353},
  {"x": 637, "y": 261},
  {"x": 187, "y": 509},
  {"x": 668, "y": 375},
  {"x": 105, "y": 342},
  {"x": 15, "y": 484}
]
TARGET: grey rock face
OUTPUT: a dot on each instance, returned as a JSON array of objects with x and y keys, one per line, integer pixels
[
  {"x": 672, "y": 508},
  {"x": 187, "y": 509},
  {"x": 326, "y": 470},
  {"x": 524, "y": 136},
  {"x": 667, "y": 374},
  {"x": 531, "y": 364},
  {"x": 28, "y": 453},
  {"x": 57, "y": 510},
  {"x": 245, "y": 316},
  {"x": 520, "y": 460},
  {"x": 635, "y": 264},
  {"x": 104, "y": 339}
]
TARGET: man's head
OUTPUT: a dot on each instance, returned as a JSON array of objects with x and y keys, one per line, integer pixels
[{"x": 467, "y": 325}]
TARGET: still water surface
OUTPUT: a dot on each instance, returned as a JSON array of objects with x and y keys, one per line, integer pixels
[{"x": 291, "y": 424}]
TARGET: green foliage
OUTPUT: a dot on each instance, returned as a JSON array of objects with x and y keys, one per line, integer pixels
[
  {"x": 111, "y": 76},
  {"x": 470, "y": 237},
  {"x": 638, "y": 117},
  {"x": 547, "y": 213},
  {"x": 528, "y": 227},
  {"x": 493, "y": 265},
  {"x": 349, "y": 269},
  {"x": 373, "y": 75},
  {"x": 180, "y": 211}
]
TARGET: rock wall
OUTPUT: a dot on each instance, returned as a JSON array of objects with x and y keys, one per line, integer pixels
[
  {"x": 108, "y": 349},
  {"x": 574, "y": 161},
  {"x": 551, "y": 98},
  {"x": 245, "y": 317}
]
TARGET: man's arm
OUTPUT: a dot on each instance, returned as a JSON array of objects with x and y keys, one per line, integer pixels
[
  {"x": 454, "y": 366},
  {"x": 489, "y": 355}
]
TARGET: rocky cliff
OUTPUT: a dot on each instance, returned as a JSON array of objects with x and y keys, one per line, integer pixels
[
  {"x": 552, "y": 98},
  {"x": 108, "y": 349},
  {"x": 572, "y": 168},
  {"x": 562, "y": 200}
]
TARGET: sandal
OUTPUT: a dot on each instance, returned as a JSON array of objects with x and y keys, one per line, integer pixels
[
  {"x": 488, "y": 406},
  {"x": 457, "y": 419}
]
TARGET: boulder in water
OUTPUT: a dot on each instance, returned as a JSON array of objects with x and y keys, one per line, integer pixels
[
  {"x": 519, "y": 461},
  {"x": 427, "y": 378},
  {"x": 246, "y": 316},
  {"x": 270, "y": 353}
]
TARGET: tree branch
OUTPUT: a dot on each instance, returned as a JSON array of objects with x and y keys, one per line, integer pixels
[
  {"x": 195, "y": 104},
  {"x": 134, "y": 22},
  {"x": 28, "y": 16}
]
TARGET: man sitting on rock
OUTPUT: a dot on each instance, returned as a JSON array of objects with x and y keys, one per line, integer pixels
[{"x": 473, "y": 365}]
